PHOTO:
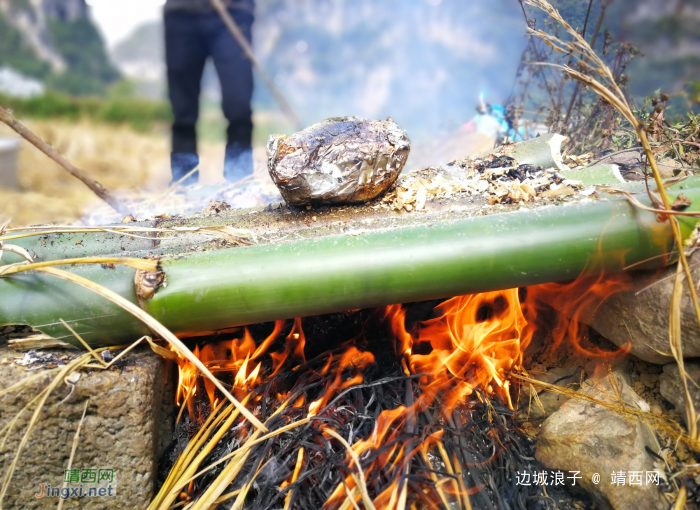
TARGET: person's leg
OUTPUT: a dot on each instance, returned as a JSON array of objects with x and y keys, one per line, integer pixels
[
  {"x": 236, "y": 76},
  {"x": 185, "y": 55}
]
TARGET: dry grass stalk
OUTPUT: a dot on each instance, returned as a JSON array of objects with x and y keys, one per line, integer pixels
[
  {"x": 157, "y": 327},
  {"x": 165, "y": 353},
  {"x": 74, "y": 448},
  {"x": 351, "y": 498},
  {"x": 21, "y": 384},
  {"x": 240, "y": 499},
  {"x": 124, "y": 160},
  {"x": 611, "y": 92},
  {"x": 457, "y": 486},
  {"x": 295, "y": 476},
  {"x": 681, "y": 499},
  {"x": 40, "y": 401},
  {"x": 251, "y": 443},
  {"x": 462, "y": 486},
  {"x": 85, "y": 359},
  {"x": 142, "y": 264},
  {"x": 629, "y": 196},
  {"x": 359, "y": 481},
  {"x": 183, "y": 472},
  {"x": 674, "y": 327},
  {"x": 434, "y": 478},
  {"x": 184, "y": 458},
  {"x": 224, "y": 480},
  {"x": 189, "y": 461},
  {"x": 153, "y": 324},
  {"x": 237, "y": 235},
  {"x": 670, "y": 427},
  {"x": 5, "y": 432},
  {"x": 236, "y": 464}
]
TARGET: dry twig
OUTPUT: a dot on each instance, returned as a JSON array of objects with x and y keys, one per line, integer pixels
[{"x": 96, "y": 187}]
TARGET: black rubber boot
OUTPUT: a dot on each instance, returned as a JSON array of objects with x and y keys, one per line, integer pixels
[
  {"x": 238, "y": 163},
  {"x": 181, "y": 163}
]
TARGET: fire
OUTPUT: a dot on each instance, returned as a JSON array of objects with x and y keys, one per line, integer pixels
[
  {"x": 474, "y": 341},
  {"x": 187, "y": 383},
  {"x": 468, "y": 347},
  {"x": 293, "y": 347},
  {"x": 576, "y": 302},
  {"x": 352, "y": 358},
  {"x": 236, "y": 357}
]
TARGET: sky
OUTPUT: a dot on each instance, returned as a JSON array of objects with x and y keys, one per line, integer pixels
[{"x": 117, "y": 19}]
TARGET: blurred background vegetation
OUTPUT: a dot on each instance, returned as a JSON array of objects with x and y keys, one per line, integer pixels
[
  {"x": 118, "y": 106},
  {"x": 425, "y": 63}
]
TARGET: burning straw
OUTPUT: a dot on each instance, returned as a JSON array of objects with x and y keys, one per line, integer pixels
[
  {"x": 349, "y": 428},
  {"x": 420, "y": 420},
  {"x": 590, "y": 65},
  {"x": 393, "y": 417},
  {"x": 396, "y": 413}
]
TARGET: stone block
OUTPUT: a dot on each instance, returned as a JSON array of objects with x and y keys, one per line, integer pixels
[
  {"x": 593, "y": 439},
  {"x": 128, "y": 420}
]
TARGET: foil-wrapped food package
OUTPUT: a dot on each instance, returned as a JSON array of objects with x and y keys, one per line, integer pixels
[{"x": 338, "y": 161}]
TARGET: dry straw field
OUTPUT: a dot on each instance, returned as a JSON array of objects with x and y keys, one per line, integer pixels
[{"x": 133, "y": 164}]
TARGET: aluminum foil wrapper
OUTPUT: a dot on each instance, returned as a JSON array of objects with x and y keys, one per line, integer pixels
[{"x": 338, "y": 161}]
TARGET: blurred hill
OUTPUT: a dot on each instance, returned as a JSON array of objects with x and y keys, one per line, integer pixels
[
  {"x": 140, "y": 57},
  {"x": 664, "y": 31},
  {"x": 667, "y": 32},
  {"x": 56, "y": 42}
]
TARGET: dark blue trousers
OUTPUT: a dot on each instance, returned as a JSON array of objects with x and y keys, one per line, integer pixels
[{"x": 190, "y": 38}]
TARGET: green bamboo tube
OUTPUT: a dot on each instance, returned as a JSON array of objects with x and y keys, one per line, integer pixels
[{"x": 221, "y": 289}]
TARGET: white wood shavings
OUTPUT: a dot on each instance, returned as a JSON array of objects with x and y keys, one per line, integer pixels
[{"x": 498, "y": 179}]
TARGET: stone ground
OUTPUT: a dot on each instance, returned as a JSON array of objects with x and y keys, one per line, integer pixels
[{"x": 129, "y": 418}]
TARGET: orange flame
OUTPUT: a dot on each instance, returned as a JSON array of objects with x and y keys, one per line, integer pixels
[
  {"x": 472, "y": 343},
  {"x": 352, "y": 358},
  {"x": 234, "y": 357},
  {"x": 293, "y": 346},
  {"x": 576, "y": 303}
]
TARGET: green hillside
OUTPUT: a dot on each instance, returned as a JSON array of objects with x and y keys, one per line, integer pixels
[
  {"x": 16, "y": 53},
  {"x": 77, "y": 41}
]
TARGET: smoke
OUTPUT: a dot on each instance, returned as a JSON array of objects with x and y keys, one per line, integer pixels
[{"x": 420, "y": 62}]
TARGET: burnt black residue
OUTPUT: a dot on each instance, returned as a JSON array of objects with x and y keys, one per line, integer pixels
[
  {"x": 498, "y": 162},
  {"x": 472, "y": 432},
  {"x": 476, "y": 429}
]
